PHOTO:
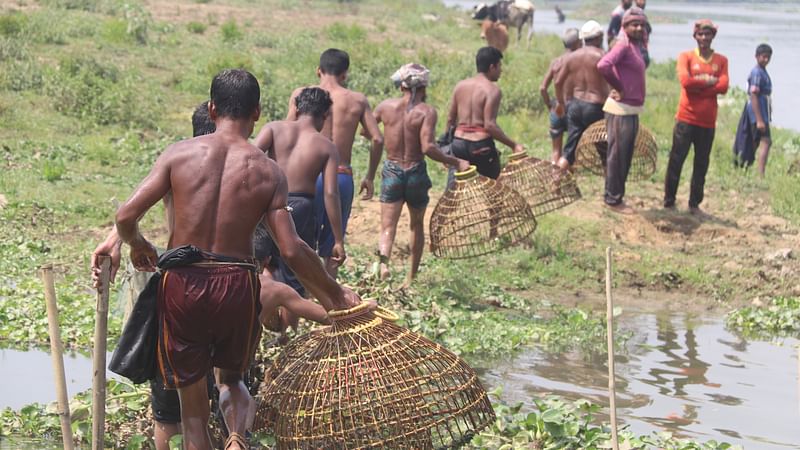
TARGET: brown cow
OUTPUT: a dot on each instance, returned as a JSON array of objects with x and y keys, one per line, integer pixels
[{"x": 495, "y": 33}]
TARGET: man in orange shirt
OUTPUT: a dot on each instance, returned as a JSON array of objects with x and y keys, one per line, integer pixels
[{"x": 703, "y": 75}]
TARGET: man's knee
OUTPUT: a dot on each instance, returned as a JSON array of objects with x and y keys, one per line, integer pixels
[{"x": 228, "y": 377}]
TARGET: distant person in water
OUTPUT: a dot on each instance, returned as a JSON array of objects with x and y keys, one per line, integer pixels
[
  {"x": 558, "y": 124},
  {"x": 561, "y": 16},
  {"x": 703, "y": 75},
  {"x": 409, "y": 129},
  {"x": 754, "y": 131}
]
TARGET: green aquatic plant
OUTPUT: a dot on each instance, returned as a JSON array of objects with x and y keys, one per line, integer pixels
[{"x": 780, "y": 316}]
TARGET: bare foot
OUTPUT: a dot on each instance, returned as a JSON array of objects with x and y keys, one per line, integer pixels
[
  {"x": 621, "y": 208},
  {"x": 699, "y": 213},
  {"x": 385, "y": 273}
]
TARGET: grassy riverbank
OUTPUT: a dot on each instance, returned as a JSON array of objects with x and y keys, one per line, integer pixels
[{"x": 92, "y": 90}]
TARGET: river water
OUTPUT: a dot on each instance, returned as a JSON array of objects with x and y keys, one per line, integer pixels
[
  {"x": 681, "y": 373},
  {"x": 742, "y": 26}
]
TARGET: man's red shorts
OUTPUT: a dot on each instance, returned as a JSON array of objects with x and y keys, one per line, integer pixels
[{"x": 208, "y": 317}]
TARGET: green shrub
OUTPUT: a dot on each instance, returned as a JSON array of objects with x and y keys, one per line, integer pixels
[
  {"x": 12, "y": 24},
  {"x": 196, "y": 27},
  {"x": 21, "y": 75},
  {"x": 230, "y": 31},
  {"x": 342, "y": 32},
  {"x": 53, "y": 170}
]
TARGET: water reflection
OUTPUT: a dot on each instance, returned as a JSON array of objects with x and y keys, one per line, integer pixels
[{"x": 682, "y": 374}]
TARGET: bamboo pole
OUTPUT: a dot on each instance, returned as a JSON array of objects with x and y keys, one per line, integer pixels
[
  {"x": 99, "y": 357},
  {"x": 612, "y": 392},
  {"x": 57, "y": 353}
]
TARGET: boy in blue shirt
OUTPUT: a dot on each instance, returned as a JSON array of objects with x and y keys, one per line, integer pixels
[{"x": 753, "y": 131}]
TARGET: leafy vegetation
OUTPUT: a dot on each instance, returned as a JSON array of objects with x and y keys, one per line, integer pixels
[{"x": 780, "y": 316}]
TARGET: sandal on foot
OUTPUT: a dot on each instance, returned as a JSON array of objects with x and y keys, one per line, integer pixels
[{"x": 238, "y": 439}]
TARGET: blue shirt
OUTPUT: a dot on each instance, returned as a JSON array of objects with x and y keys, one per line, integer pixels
[{"x": 759, "y": 83}]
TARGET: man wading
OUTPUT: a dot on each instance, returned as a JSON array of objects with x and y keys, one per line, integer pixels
[
  {"x": 208, "y": 304},
  {"x": 624, "y": 69},
  {"x": 409, "y": 129},
  {"x": 349, "y": 109},
  {"x": 473, "y": 113},
  {"x": 580, "y": 80},
  {"x": 703, "y": 75}
]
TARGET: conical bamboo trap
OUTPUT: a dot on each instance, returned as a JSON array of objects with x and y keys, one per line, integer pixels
[
  {"x": 590, "y": 156},
  {"x": 369, "y": 383},
  {"x": 478, "y": 216},
  {"x": 545, "y": 186}
]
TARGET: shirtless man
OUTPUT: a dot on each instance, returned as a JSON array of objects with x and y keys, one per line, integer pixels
[
  {"x": 222, "y": 187},
  {"x": 473, "y": 111},
  {"x": 410, "y": 130},
  {"x": 558, "y": 125},
  {"x": 580, "y": 80},
  {"x": 304, "y": 154},
  {"x": 349, "y": 110}
]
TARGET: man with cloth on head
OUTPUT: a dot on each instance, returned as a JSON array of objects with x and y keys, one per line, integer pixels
[
  {"x": 558, "y": 124},
  {"x": 703, "y": 75},
  {"x": 409, "y": 133},
  {"x": 473, "y": 112},
  {"x": 580, "y": 80},
  {"x": 623, "y": 68}
]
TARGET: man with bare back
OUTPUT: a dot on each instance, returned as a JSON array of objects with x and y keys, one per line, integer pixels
[
  {"x": 473, "y": 113},
  {"x": 580, "y": 81},
  {"x": 349, "y": 110},
  {"x": 222, "y": 187},
  {"x": 304, "y": 154},
  {"x": 409, "y": 130},
  {"x": 558, "y": 124}
]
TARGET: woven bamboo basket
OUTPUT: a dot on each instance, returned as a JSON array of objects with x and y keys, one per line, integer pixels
[
  {"x": 477, "y": 216},
  {"x": 368, "y": 383},
  {"x": 545, "y": 186},
  {"x": 590, "y": 156}
]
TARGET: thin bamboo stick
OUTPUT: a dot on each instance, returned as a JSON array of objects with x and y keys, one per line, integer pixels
[
  {"x": 612, "y": 393},
  {"x": 99, "y": 357},
  {"x": 57, "y": 353}
]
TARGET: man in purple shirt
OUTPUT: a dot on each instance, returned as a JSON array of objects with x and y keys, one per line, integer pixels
[{"x": 623, "y": 67}]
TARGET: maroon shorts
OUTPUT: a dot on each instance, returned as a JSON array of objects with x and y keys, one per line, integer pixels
[{"x": 207, "y": 317}]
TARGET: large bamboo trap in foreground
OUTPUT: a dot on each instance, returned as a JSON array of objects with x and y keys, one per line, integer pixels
[
  {"x": 545, "y": 186},
  {"x": 478, "y": 216},
  {"x": 368, "y": 383},
  {"x": 590, "y": 156}
]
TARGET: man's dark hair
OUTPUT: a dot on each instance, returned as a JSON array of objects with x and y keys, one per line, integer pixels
[
  {"x": 235, "y": 93},
  {"x": 313, "y": 101},
  {"x": 263, "y": 246},
  {"x": 334, "y": 62},
  {"x": 486, "y": 57},
  {"x": 201, "y": 121},
  {"x": 763, "y": 49}
]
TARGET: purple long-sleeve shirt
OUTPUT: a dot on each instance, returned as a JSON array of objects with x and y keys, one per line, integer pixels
[{"x": 624, "y": 69}]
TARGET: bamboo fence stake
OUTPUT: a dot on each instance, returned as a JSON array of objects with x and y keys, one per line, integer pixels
[
  {"x": 610, "y": 334},
  {"x": 99, "y": 357},
  {"x": 57, "y": 353}
]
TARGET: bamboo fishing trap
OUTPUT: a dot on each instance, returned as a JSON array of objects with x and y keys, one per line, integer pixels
[
  {"x": 368, "y": 383},
  {"x": 545, "y": 186},
  {"x": 478, "y": 216},
  {"x": 590, "y": 156}
]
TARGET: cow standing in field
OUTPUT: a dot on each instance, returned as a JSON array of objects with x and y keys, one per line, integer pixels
[
  {"x": 495, "y": 34},
  {"x": 513, "y": 14}
]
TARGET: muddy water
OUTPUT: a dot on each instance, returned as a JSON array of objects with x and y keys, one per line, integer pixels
[
  {"x": 683, "y": 374},
  {"x": 27, "y": 377},
  {"x": 742, "y": 26}
]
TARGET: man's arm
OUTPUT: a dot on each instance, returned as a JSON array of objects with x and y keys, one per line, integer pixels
[
  {"x": 560, "y": 79},
  {"x": 265, "y": 140},
  {"x": 687, "y": 80},
  {"x": 548, "y": 77},
  {"x": 292, "y": 113},
  {"x": 614, "y": 25},
  {"x": 368, "y": 183},
  {"x": 274, "y": 294},
  {"x": 427, "y": 139},
  {"x": 490, "y": 109},
  {"x": 606, "y": 67},
  {"x": 152, "y": 189},
  {"x": 110, "y": 247},
  {"x": 723, "y": 81},
  {"x": 452, "y": 114},
  {"x": 333, "y": 203},
  {"x": 301, "y": 259}
]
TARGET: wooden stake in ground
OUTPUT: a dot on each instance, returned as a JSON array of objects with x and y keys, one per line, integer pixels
[
  {"x": 57, "y": 353},
  {"x": 99, "y": 357},
  {"x": 612, "y": 390}
]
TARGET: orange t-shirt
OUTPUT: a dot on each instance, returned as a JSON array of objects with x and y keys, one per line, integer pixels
[{"x": 698, "y": 104}]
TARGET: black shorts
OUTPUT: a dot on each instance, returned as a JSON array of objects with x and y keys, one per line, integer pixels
[
  {"x": 481, "y": 154},
  {"x": 165, "y": 403}
]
